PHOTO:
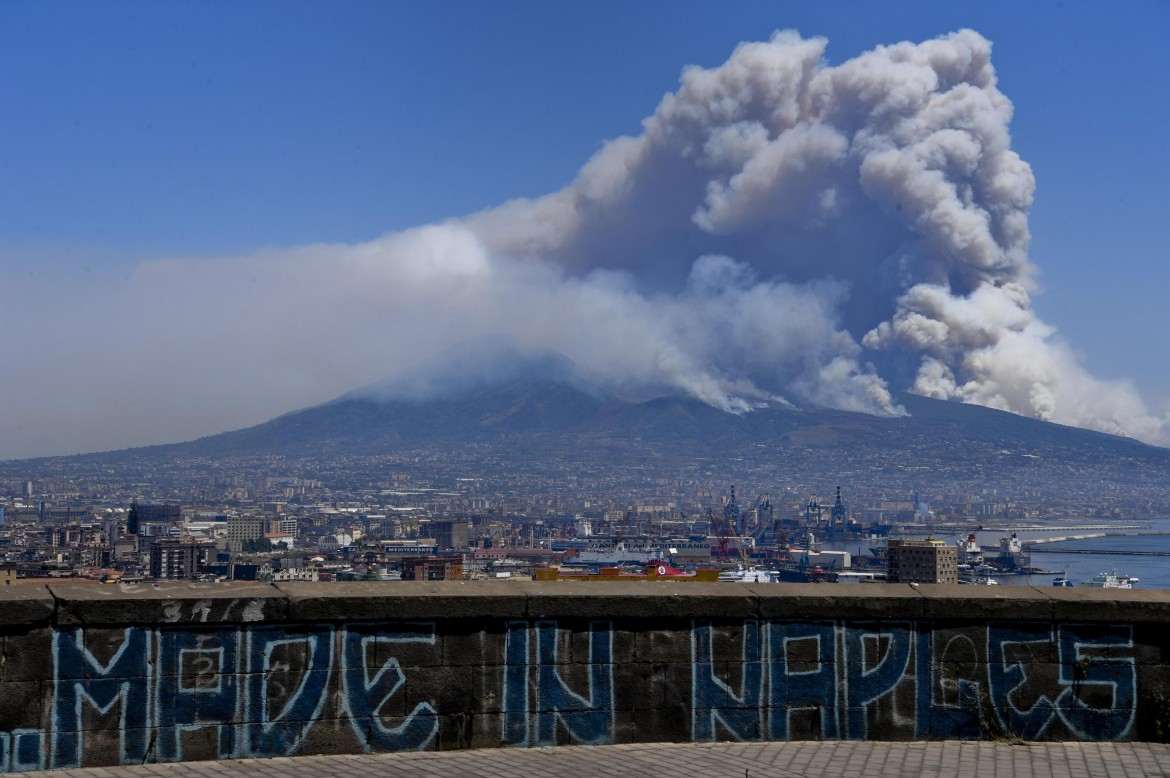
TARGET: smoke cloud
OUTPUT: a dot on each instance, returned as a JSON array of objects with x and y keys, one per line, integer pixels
[
  {"x": 781, "y": 230},
  {"x": 890, "y": 176}
]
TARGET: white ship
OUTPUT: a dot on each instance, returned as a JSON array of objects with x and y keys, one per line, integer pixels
[
  {"x": 969, "y": 551},
  {"x": 743, "y": 574},
  {"x": 1109, "y": 581}
]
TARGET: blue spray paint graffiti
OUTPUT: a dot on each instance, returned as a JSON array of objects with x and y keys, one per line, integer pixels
[
  {"x": 1089, "y": 657},
  {"x": 713, "y": 702},
  {"x": 870, "y": 672},
  {"x": 270, "y": 682},
  {"x": 84, "y": 681},
  {"x": 804, "y": 686},
  {"x": 366, "y": 696},
  {"x": 957, "y": 717},
  {"x": 850, "y": 668},
  {"x": 170, "y": 693},
  {"x": 21, "y": 750},
  {"x": 587, "y": 718},
  {"x": 1007, "y": 674},
  {"x": 197, "y": 688},
  {"x": 1094, "y": 656},
  {"x": 259, "y": 689}
]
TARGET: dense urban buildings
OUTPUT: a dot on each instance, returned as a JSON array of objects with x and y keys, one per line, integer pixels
[
  {"x": 810, "y": 507},
  {"x": 489, "y": 512}
]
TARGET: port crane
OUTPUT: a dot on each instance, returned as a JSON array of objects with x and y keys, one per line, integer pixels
[{"x": 727, "y": 529}]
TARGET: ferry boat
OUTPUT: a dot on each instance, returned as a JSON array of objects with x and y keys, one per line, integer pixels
[
  {"x": 1109, "y": 581},
  {"x": 743, "y": 574},
  {"x": 857, "y": 577}
]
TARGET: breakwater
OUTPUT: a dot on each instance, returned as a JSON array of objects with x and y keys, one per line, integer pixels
[{"x": 1109, "y": 551}]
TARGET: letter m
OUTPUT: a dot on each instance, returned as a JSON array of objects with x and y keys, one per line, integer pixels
[{"x": 81, "y": 680}]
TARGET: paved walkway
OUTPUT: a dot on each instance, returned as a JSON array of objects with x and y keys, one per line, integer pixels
[{"x": 850, "y": 759}]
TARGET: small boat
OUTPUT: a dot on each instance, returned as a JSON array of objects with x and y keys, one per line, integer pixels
[
  {"x": 1109, "y": 581},
  {"x": 1063, "y": 581}
]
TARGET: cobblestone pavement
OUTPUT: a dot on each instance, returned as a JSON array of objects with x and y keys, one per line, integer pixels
[{"x": 709, "y": 760}]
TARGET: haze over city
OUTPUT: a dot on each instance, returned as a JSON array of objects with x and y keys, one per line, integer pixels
[{"x": 215, "y": 215}]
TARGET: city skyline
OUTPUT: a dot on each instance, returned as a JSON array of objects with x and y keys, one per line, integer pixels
[{"x": 176, "y": 179}]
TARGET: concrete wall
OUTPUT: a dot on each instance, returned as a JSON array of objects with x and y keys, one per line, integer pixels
[{"x": 99, "y": 674}]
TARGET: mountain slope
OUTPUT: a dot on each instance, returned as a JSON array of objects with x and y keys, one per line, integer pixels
[
  {"x": 546, "y": 413},
  {"x": 369, "y": 426},
  {"x": 499, "y": 411}
]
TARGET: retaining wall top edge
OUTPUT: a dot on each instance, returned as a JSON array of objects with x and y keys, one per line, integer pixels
[
  {"x": 79, "y": 603},
  {"x": 26, "y": 605}
]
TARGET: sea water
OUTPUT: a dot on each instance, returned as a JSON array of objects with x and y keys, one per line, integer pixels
[{"x": 1152, "y": 571}]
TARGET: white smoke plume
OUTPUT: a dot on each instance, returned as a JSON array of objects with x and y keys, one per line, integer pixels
[
  {"x": 782, "y": 230},
  {"x": 891, "y": 174}
]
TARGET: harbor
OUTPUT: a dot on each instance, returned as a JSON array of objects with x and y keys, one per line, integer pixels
[
  {"x": 1076, "y": 551},
  {"x": 825, "y": 544}
]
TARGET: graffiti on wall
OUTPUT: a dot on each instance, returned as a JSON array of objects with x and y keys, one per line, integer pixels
[
  {"x": 537, "y": 697},
  {"x": 257, "y": 691},
  {"x": 168, "y": 693},
  {"x": 842, "y": 679}
]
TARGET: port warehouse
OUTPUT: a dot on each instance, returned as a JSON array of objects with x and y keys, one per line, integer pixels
[{"x": 105, "y": 675}]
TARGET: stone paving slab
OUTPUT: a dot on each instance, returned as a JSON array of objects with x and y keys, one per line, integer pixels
[{"x": 845, "y": 759}]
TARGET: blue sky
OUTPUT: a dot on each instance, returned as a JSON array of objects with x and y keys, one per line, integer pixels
[{"x": 137, "y": 130}]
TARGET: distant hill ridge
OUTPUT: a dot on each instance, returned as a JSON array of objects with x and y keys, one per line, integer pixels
[
  {"x": 536, "y": 404},
  {"x": 547, "y": 410}
]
